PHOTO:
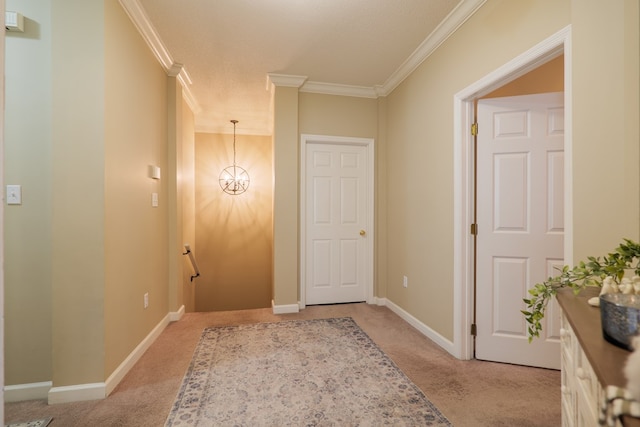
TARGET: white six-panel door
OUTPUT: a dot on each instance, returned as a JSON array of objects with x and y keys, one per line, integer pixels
[
  {"x": 336, "y": 264},
  {"x": 520, "y": 217}
]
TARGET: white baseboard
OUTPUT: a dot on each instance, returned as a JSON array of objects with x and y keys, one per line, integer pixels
[
  {"x": 77, "y": 393},
  {"x": 32, "y": 391},
  {"x": 117, "y": 375},
  {"x": 424, "y": 329},
  {"x": 285, "y": 308},
  {"x": 379, "y": 301},
  {"x": 174, "y": 316}
]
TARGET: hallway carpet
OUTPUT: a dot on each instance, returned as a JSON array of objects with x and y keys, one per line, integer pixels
[
  {"x": 469, "y": 393},
  {"x": 318, "y": 372}
]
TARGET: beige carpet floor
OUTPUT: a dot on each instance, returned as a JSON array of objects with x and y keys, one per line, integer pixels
[{"x": 469, "y": 393}]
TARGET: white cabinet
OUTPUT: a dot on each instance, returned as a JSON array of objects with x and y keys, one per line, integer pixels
[{"x": 582, "y": 393}]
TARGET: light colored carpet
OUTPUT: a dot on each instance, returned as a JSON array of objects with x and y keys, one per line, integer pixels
[
  {"x": 323, "y": 372},
  {"x": 470, "y": 393},
  {"x": 44, "y": 422}
]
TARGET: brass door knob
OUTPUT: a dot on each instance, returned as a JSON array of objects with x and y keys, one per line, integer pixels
[{"x": 362, "y": 232}]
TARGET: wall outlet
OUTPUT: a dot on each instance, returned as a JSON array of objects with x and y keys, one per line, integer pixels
[
  {"x": 405, "y": 281},
  {"x": 146, "y": 300}
]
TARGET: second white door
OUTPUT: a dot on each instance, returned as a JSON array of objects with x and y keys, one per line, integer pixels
[
  {"x": 337, "y": 229},
  {"x": 520, "y": 216}
]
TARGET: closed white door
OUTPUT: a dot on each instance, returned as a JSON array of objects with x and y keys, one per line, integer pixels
[
  {"x": 337, "y": 229},
  {"x": 520, "y": 217}
]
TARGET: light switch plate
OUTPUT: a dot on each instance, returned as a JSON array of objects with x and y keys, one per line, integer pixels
[
  {"x": 14, "y": 194},
  {"x": 154, "y": 200}
]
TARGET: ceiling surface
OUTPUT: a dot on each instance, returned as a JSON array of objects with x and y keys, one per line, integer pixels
[{"x": 228, "y": 48}]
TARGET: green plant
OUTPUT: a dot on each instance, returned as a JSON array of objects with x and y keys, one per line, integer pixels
[{"x": 626, "y": 257}]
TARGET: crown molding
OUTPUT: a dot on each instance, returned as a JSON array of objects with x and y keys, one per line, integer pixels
[
  {"x": 338, "y": 89},
  {"x": 285, "y": 80},
  {"x": 447, "y": 27},
  {"x": 140, "y": 20},
  {"x": 175, "y": 69}
]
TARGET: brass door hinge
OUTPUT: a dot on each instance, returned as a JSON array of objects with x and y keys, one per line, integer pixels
[
  {"x": 474, "y": 129},
  {"x": 474, "y": 229},
  {"x": 474, "y": 330}
]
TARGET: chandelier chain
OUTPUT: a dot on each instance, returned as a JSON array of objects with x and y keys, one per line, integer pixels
[{"x": 234, "y": 141}]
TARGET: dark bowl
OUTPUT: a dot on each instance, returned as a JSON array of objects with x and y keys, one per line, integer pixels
[{"x": 620, "y": 315}]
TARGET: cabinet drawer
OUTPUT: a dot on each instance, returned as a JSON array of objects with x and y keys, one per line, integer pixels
[
  {"x": 568, "y": 341},
  {"x": 586, "y": 382},
  {"x": 568, "y": 404}
]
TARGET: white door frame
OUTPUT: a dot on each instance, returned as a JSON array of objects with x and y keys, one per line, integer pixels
[
  {"x": 337, "y": 140},
  {"x": 463, "y": 155}
]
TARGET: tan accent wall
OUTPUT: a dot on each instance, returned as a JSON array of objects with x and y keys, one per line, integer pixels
[
  {"x": 234, "y": 235},
  {"x": 548, "y": 77},
  {"x": 27, "y": 227}
]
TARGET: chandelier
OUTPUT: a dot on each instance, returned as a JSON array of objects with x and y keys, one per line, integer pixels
[{"x": 234, "y": 179}]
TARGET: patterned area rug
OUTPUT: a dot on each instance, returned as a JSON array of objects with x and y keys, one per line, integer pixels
[
  {"x": 324, "y": 372},
  {"x": 37, "y": 423}
]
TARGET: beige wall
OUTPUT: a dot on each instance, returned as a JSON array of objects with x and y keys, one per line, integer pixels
[
  {"x": 234, "y": 235},
  {"x": 605, "y": 39},
  {"x": 420, "y": 149},
  {"x": 306, "y": 113},
  {"x": 337, "y": 115},
  {"x": 175, "y": 194},
  {"x": 136, "y": 234},
  {"x": 420, "y": 133},
  {"x": 88, "y": 116},
  {"x": 186, "y": 182},
  {"x": 180, "y": 176},
  {"x": 27, "y": 256},
  {"x": 78, "y": 192},
  {"x": 285, "y": 196},
  {"x": 333, "y": 115}
]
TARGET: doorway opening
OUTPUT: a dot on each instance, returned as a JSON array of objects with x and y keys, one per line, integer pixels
[{"x": 464, "y": 169}]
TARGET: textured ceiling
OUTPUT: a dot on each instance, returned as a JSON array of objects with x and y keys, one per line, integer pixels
[{"x": 228, "y": 47}]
